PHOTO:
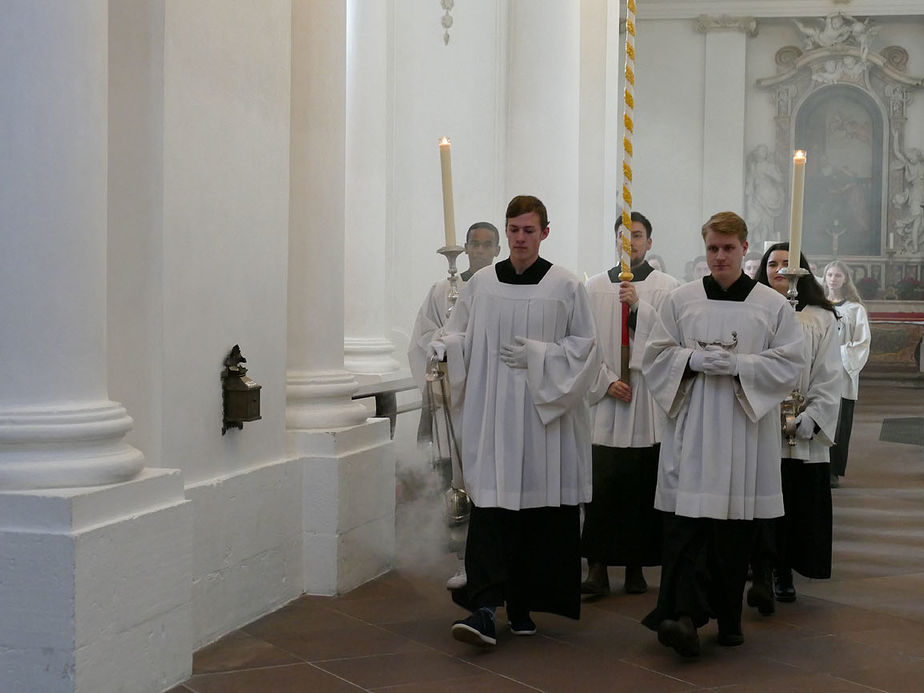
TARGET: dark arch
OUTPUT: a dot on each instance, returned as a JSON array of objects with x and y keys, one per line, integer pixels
[{"x": 841, "y": 127}]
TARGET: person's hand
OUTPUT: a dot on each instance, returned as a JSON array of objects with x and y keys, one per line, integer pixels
[
  {"x": 627, "y": 294},
  {"x": 805, "y": 426},
  {"x": 714, "y": 360},
  {"x": 514, "y": 355},
  {"x": 723, "y": 363},
  {"x": 436, "y": 350},
  {"x": 620, "y": 390}
]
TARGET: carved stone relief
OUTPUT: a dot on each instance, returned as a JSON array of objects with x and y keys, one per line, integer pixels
[{"x": 846, "y": 103}]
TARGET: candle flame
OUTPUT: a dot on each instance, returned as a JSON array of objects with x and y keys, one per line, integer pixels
[
  {"x": 799, "y": 155},
  {"x": 444, "y": 140}
]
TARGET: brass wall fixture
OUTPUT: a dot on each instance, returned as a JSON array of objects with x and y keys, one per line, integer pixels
[{"x": 241, "y": 395}]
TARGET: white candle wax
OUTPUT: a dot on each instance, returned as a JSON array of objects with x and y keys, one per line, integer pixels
[
  {"x": 449, "y": 223},
  {"x": 795, "y": 224},
  {"x": 891, "y": 240}
]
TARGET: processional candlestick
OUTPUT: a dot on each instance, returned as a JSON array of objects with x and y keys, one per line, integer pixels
[
  {"x": 625, "y": 245},
  {"x": 794, "y": 404}
]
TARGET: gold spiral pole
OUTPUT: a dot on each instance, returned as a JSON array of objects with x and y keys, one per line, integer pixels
[{"x": 628, "y": 106}]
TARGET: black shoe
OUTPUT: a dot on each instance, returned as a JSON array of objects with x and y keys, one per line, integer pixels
[
  {"x": 597, "y": 583},
  {"x": 521, "y": 624},
  {"x": 635, "y": 580},
  {"x": 730, "y": 639},
  {"x": 782, "y": 586},
  {"x": 477, "y": 629},
  {"x": 681, "y": 635},
  {"x": 761, "y": 596}
]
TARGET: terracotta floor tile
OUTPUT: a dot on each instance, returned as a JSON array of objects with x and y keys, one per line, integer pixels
[
  {"x": 483, "y": 683},
  {"x": 239, "y": 650},
  {"x": 903, "y": 677},
  {"x": 395, "y": 669},
  {"x": 296, "y": 678},
  {"x": 360, "y": 640}
]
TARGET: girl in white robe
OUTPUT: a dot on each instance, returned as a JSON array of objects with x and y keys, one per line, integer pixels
[
  {"x": 853, "y": 328},
  {"x": 801, "y": 539}
]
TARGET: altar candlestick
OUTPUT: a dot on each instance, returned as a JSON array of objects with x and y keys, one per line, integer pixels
[
  {"x": 449, "y": 219},
  {"x": 795, "y": 225}
]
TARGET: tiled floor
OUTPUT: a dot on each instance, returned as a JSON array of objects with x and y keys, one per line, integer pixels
[{"x": 863, "y": 630}]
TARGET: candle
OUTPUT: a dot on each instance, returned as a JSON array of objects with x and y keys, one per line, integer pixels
[
  {"x": 891, "y": 240},
  {"x": 795, "y": 224},
  {"x": 449, "y": 222}
]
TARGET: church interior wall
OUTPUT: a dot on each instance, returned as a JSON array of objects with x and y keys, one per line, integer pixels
[
  {"x": 199, "y": 264},
  {"x": 668, "y": 140},
  {"x": 440, "y": 90}
]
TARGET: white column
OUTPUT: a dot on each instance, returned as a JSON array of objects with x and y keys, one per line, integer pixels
[
  {"x": 57, "y": 425},
  {"x": 543, "y": 116},
  {"x": 95, "y": 576},
  {"x": 319, "y": 388},
  {"x": 366, "y": 350},
  {"x": 725, "y": 92},
  {"x": 349, "y": 468}
]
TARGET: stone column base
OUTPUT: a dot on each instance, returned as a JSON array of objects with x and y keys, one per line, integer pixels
[
  {"x": 95, "y": 587},
  {"x": 348, "y": 483}
]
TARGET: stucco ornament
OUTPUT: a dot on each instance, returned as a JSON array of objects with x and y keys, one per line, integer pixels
[
  {"x": 838, "y": 29},
  {"x": 446, "y": 21},
  {"x": 910, "y": 226}
]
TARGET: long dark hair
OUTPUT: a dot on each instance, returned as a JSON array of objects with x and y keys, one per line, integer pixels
[{"x": 810, "y": 291}]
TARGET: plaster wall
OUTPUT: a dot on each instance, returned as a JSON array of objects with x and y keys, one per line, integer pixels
[
  {"x": 225, "y": 227},
  {"x": 439, "y": 89},
  {"x": 198, "y": 210},
  {"x": 668, "y": 140}
]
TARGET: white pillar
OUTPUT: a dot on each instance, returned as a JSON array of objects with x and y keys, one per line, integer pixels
[
  {"x": 57, "y": 425},
  {"x": 543, "y": 116},
  {"x": 367, "y": 350},
  {"x": 95, "y": 576},
  {"x": 725, "y": 91},
  {"x": 349, "y": 469}
]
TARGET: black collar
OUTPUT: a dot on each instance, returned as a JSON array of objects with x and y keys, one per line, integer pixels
[
  {"x": 639, "y": 272},
  {"x": 531, "y": 275},
  {"x": 738, "y": 291}
]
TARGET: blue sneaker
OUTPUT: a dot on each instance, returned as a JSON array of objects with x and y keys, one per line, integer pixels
[{"x": 477, "y": 629}]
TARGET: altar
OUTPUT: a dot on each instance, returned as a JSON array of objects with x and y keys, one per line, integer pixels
[{"x": 897, "y": 331}]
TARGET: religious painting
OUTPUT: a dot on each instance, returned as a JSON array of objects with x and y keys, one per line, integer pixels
[{"x": 840, "y": 128}]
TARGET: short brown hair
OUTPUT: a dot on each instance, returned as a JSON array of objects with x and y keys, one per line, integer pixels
[
  {"x": 727, "y": 223},
  {"x": 524, "y": 204}
]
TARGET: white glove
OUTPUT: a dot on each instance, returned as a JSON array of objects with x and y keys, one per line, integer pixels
[
  {"x": 722, "y": 363},
  {"x": 805, "y": 426},
  {"x": 436, "y": 350},
  {"x": 514, "y": 355},
  {"x": 714, "y": 360}
]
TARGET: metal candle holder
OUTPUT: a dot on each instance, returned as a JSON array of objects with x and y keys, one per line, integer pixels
[
  {"x": 451, "y": 252},
  {"x": 793, "y": 274},
  {"x": 794, "y": 404}
]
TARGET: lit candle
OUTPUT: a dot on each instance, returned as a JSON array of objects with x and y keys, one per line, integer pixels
[
  {"x": 795, "y": 224},
  {"x": 449, "y": 222}
]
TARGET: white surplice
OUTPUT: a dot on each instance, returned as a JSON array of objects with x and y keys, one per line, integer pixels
[
  {"x": 819, "y": 382},
  {"x": 430, "y": 318},
  {"x": 720, "y": 450},
  {"x": 638, "y": 423},
  {"x": 525, "y": 432},
  {"x": 853, "y": 328}
]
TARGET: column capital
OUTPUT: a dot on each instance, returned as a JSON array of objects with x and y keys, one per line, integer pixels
[{"x": 705, "y": 24}]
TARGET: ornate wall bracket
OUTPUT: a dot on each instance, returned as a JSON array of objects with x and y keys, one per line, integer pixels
[{"x": 446, "y": 20}]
